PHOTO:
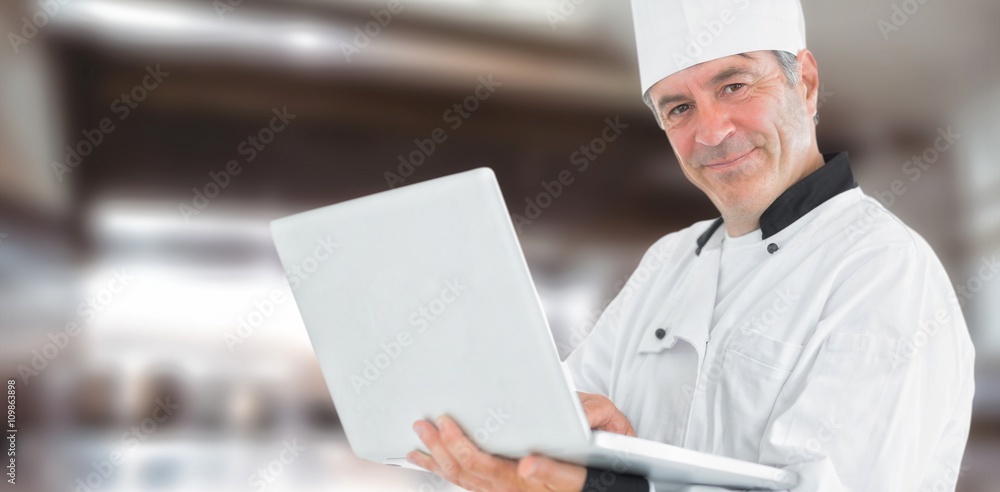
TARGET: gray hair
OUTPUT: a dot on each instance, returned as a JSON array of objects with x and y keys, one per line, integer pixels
[{"x": 789, "y": 66}]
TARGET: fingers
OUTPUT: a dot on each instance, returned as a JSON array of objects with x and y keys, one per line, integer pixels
[
  {"x": 453, "y": 456},
  {"x": 428, "y": 463},
  {"x": 603, "y": 415},
  {"x": 470, "y": 458},
  {"x": 432, "y": 439},
  {"x": 546, "y": 474},
  {"x": 456, "y": 458},
  {"x": 444, "y": 463}
]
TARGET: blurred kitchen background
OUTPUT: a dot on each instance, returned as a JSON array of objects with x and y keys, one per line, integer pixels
[{"x": 114, "y": 246}]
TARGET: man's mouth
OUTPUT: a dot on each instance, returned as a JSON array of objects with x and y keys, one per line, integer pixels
[{"x": 727, "y": 163}]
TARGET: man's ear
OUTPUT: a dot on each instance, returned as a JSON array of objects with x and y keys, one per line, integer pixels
[{"x": 809, "y": 80}]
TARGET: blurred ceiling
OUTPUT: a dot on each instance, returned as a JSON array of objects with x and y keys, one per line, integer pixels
[
  {"x": 565, "y": 65},
  {"x": 558, "y": 48}
]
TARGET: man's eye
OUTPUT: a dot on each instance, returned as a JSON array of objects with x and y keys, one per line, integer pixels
[
  {"x": 734, "y": 87},
  {"x": 679, "y": 109}
]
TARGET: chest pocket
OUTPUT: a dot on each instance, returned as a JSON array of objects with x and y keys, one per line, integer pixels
[{"x": 754, "y": 369}]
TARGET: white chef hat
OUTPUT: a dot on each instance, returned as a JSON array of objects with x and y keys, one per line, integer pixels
[{"x": 672, "y": 35}]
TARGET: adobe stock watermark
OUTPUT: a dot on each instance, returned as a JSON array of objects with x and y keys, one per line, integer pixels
[
  {"x": 223, "y": 7},
  {"x": 562, "y": 12},
  {"x": 269, "y": 473},
  {"x": 783, "y": 302},
  {"x": 32, "y": 24},
  {"x": 247, "y": 326},
  {"x": 926, "y": 330},
  {"x": 11, "y": 434},
  {"x": 301, "y": 271},
  {"x": 607, "y": 478},
  {"x": 363, "y": 36},
  {"x": 298, "y": 273},
  {"x": 949, "y": 479},
  {"x": 813, "y": 447},
  {"x": 988, "y": 269},
  {"x": 915, "y": 168},
  {"x": 581, "y": 158},
  {"x": 607, "y": 305},
  {"x": 623, "y": 288},
  {"x": 87, "y": 310},
  {"x": 900, "y": 16},
  {"x": 710, "y": 376},
  {"x": 480, "y": 435},
  {"x": 3, "y": 236},
  {"x": 419, "y": 321},
  {"x": 708, "y": 35},
  {"x": 823, "y": 96},
  {"x": 456, "y": 116},
  {"x": 249, "y": 148},
  {"x": 123, "y": 107},
  {"x": 129, "y": 441},
  {"x": 491, "y": 425}
]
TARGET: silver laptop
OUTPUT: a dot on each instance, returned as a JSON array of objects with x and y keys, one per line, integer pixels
[{"x": 418, "y": 303}]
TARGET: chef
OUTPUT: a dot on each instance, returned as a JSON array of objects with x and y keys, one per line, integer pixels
[{"x": 807, "y": 328}]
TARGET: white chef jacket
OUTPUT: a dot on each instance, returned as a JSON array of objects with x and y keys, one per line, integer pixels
[{"x": 842, "y": 355}]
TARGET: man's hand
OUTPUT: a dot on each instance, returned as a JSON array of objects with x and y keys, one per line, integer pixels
[
  {"x": 458, "y": 460},
  {"x": 604, "y": 415}
]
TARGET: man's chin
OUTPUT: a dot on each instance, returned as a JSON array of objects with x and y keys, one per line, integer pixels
[{"x": 740, "y": 202}]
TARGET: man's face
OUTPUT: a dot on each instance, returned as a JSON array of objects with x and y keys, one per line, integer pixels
[{"x": 741, "y": 133}]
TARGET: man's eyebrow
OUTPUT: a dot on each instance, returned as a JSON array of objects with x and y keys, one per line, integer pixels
[
  {"x": 729, "y": 73},
  {"x": 668, "y": 99}
]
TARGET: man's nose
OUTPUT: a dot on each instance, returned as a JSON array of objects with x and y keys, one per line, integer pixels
[{"x": 713, "y": 126}]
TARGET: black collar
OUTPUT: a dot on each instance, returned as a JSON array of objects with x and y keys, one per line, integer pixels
[{"x": 834, "y": 178}]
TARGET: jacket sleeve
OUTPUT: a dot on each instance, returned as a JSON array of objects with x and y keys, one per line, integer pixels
[
  {"x": 608, "y": 481},
  {"x": 885, "y": 401}
]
